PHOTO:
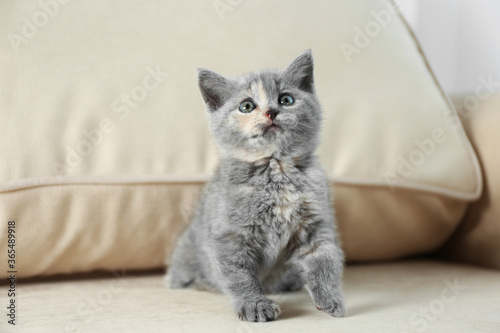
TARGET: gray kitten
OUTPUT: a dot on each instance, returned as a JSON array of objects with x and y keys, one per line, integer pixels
[{"x": 264, "y": 223}]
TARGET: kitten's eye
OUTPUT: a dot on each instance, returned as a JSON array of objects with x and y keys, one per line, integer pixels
[
  {"x": 286, "y": 100},
  {"x": 247, "y": 106}
]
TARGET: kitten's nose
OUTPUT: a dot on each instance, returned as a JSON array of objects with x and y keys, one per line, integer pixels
[{"x": 271, "y": 113}]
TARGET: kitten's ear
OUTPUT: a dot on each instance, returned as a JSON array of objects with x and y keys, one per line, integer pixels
[
  {"x": 300, "y": 72},
  {"x": 214, "y": 88}
]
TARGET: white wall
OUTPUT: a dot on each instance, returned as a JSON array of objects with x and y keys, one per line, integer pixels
[{"x": 461, "y": 39}]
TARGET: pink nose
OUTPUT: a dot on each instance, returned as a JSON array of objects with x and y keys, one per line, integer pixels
[{"x": 271, "y": 114}]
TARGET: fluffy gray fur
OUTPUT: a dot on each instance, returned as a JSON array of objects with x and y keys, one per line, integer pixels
[{"x": 264, "y": 223}]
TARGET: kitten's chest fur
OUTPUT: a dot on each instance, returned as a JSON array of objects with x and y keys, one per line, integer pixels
[{"x": 275, "y": 205}]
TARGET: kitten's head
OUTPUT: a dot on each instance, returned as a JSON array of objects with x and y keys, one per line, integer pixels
[{"x": 264, "y": 114}]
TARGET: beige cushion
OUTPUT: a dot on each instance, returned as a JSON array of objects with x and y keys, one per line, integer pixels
[
  {"x": 477, "y": 240},
  {"x": 77, "y": 228},
  {"x": 113, "y": 100},
  {"x": 376, "y": 223},
  {"x": 398, "y": 297}
]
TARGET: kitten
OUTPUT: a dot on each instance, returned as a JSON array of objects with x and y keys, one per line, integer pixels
[{"x": 264, "y": 223}]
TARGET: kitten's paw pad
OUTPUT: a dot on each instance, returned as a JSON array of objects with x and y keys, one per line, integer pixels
[{"x": 259, "y": 310}]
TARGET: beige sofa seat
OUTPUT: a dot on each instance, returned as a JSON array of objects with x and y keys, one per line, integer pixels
[{"x": 413, "y": 296}]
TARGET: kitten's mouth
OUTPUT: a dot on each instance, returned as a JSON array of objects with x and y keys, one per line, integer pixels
[
  {"x": 271, "y": 128},
  {"x": 267, "y": 129}
]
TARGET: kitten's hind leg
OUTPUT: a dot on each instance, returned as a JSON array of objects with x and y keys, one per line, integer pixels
[{"x": 184, "y": 270}]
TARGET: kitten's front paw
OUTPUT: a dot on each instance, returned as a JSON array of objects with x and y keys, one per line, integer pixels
[
  {"x": 335, "y": 309},
  {"x": 258, "y": 309},
  {"x": 331, "y": 303}
]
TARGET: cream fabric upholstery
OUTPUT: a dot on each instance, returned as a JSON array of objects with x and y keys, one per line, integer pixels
[
  {"x": 104, "y": 132},
  {"x": 78, "y": 228},
  {"x": 394, "y": 297},
  {"x": 376, "y": 106},
  {"x": 477, "y": 240},
  {"x": 378, "y": 224}
]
